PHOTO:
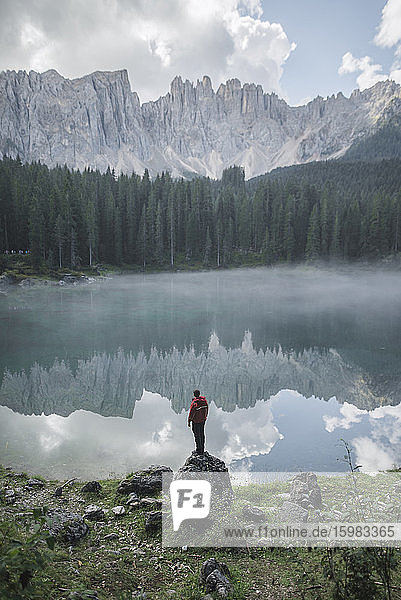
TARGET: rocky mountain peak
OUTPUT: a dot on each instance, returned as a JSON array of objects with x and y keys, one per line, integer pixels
[{"x": 98, "y": 121}]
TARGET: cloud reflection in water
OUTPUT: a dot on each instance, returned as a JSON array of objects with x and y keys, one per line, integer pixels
[{"x": 90, "y": 445}]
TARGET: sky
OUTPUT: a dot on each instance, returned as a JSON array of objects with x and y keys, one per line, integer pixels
[{"x": 296, "y": 48}]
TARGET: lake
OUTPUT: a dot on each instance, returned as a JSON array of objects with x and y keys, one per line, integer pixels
[{"x": 97, "y": 379}]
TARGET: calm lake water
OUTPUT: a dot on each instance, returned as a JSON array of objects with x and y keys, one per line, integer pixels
[{"x": 97, "y": 379}]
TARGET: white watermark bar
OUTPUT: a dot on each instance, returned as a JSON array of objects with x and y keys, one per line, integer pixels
[{"x": 281, "y": 509}]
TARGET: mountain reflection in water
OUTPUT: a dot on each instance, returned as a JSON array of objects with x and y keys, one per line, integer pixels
[{"x": 235, "y": 377}]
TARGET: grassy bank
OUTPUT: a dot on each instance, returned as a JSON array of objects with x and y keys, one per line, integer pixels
[
  {"x": 19, "y": 267},
  {"x": 119, "y": 560}
]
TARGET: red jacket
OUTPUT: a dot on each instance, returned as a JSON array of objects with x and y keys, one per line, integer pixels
[{"x": 198, "y": 410}]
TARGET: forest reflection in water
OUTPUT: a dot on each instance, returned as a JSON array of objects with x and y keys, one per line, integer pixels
[
  {"x": 270, "y": 410},
  {"x": 235, "y": 377}
]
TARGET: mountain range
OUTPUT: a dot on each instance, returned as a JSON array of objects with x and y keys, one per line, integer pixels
[{"x": 97, "y": 121}]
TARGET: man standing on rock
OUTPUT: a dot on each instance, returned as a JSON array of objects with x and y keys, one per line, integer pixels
[{"x": 198, "y": 415}]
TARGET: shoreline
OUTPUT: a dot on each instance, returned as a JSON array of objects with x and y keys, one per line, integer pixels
[
  {"x": 27, "y": 280},
  {"x": 24, "y": 275}
]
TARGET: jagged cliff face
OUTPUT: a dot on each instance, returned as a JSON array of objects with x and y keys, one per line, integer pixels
[{"x": 97, "y": 121}]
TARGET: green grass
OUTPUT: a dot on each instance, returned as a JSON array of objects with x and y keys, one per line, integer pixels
[
  {"x": 136, "y": 561},
  {"x": 19, "y": 267}
]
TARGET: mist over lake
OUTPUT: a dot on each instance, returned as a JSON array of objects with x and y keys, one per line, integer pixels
[{"x": 97, "y": 378}]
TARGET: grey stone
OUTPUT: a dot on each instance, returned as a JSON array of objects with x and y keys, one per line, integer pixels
[
  {"x": 94, "y": 513},
  {"x": 155, "y": 502},
  {"x": 153, "y": 521},
  {"x": 203, "y": 463},
  {"x": 315, "y": 498},
  {"x": 208, "y": 465},
  {"x": 214, "y": 578},
  {"x": 145, "y": 482},
  {"x": 305, "y": 491},
  {"x": 292, "y": 513},
  {"x": 118, "y": 511},
  {"x": 299, "y": 491},
  {"x": 254, "y": 513},
  {"x": 68, "y": 527},
  {"x": 217, "y": 582},
  {"x": 132, "y": 498},
  {"x": 92, "y": 487},
  {"x": 35, "y": 483}
]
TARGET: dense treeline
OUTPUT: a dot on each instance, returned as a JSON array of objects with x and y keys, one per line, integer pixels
[
  {"x": 69, "y": 219},
  {"x": 346, "y": 178},
  {"x": 382, "y": 144}
]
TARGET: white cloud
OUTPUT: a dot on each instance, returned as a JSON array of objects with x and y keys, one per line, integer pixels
[
  {"x": 350, "y": 415},
  {"x": 154, "y": 40},
  {"x": 381, "y": 449},
  {"x": 388, "y": 35},
  {"x": 369, "y": 73},
  {"x": 372, "y": 455},
  {"x": 155, "y": 434}
]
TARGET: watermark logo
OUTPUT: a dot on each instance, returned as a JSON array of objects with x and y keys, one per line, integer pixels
[
  {"x": 190, "y": 499},
  {"x": 293, "y": 509}
]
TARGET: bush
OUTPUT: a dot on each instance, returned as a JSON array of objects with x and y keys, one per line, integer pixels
[{"x": 24, "y": 550}]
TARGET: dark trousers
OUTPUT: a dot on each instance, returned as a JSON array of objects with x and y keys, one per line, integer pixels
[{"x": 199, "y": 435}]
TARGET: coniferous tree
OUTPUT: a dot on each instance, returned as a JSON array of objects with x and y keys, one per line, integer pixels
[
  {"x": 289, "y": 236},
  {"x": 208, "y": 249},
  {"x": 333, "y": 209},
  {"x": 90, "y": 220},
  {"x": 60, "y": 230},
  {"x": 172, "y": 226},
  {"x": 335, "y": 245},
  {"x": 36, "y": 233},
  {"x": 312, "y": 250}
]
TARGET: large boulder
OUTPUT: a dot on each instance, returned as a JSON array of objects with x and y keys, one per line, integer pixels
[
  {"x": 92, "y": 487},
  {"x": 305, "y": 491},
  {"x": 147, "y": 482},
  {"x": 255, "y": 514},
  {"x": 68, "y": 527},
  {"x": 213, "y": 469},
  {"x": 214, "y": 578},
  {"x": 203, "y": 462},
  {"x": 292, "y": 513},
  {"x": 35, "y": 484},
  {"x": 153, "y": 521},
  {"x": 94, "y": 513}
]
